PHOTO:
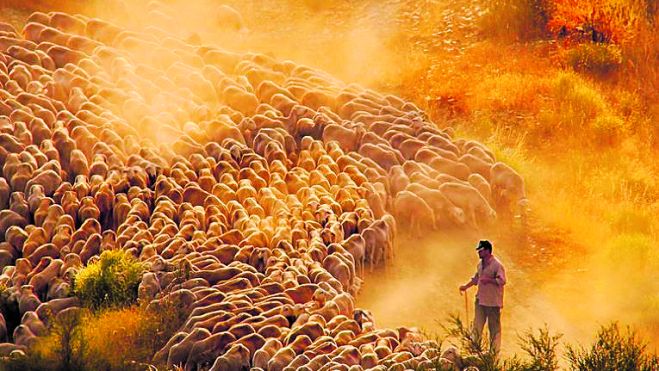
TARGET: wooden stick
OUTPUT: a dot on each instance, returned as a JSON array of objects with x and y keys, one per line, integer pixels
[{"x": 466, "y": 307}]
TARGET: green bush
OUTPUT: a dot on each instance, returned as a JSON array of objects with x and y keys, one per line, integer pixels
[
  {"x": 613, "y": 350},
  {"x": 598, "y": 58},
  {"x": 112, "y": 281}
]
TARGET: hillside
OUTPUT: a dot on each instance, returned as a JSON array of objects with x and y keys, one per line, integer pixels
[{"x": 210, "y": 128}]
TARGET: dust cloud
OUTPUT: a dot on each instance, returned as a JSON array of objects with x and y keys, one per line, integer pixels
[
  {"x": 352, "y": 41},
  {"x": 420, "y": 287}
]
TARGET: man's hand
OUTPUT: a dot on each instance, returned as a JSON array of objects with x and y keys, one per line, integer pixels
[{"x": 464, "y": 288}]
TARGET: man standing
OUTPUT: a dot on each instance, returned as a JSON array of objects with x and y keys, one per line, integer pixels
[{"x": 490, "y": 277}]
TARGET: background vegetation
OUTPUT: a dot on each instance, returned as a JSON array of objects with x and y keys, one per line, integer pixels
[{"x": 567, "y": 92}]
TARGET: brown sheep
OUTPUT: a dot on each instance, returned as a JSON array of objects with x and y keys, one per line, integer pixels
[
  {"x": 48, "y": 179},
  {"x": 348, "y": 139},
  {"x": 475, "y": 206},
  {"x": 410, "y": 207},
  {"x": 508, "y": 191}
]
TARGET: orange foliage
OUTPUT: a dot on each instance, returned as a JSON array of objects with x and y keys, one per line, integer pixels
[
  {"x": 599, "y": 20},
  {"x": 631, "y": 24}
]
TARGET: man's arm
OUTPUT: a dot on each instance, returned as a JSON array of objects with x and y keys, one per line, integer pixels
[
  {"x": 472, "y": 282},
  {"x": 501, "y": 276}
]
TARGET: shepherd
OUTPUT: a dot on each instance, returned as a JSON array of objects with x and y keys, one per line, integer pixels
[{"x": 490, "y": 277}]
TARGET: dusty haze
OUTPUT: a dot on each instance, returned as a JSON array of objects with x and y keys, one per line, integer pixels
[{"x": 574, "y": 284}]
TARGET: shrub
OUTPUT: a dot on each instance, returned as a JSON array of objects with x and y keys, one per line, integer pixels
[
  {"x": 541, "y": 350},
  {"x": 472, "y": 346},
  {"x": 595, "y": 58},
  {"x": 601, "y": 20},
  {"x": 631, "y": 219},
  {"x": 111, "y": 281},
  {"x": 639, "y": 185},
  {"x": 632, "y": 252},
  {"x": 127, "y": 338},
  {"x": 629, "y": 103},
  {"x": 608, "y": 129},
  {"x": 612, "y": 350},
  {"x": 64, "y": 348},
  {"x": 171, "y": 315},
  {"x": 71, "y": 344},
  {"x": 9, "y": 309},
  {"x": 110, "y": 335},
  {"x": 577, "y": 106},
  {"x": 510, "y": 147},
  {"x": 580, "y": 99},
  {"x": 515, "y": 19}
]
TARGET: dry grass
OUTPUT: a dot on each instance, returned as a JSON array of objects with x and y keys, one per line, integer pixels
[{"x": 112, "y": 339}]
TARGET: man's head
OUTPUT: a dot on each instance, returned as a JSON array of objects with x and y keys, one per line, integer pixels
[{"x": 484, "y": 249}]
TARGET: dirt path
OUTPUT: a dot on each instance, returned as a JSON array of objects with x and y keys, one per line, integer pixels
[{"x": 420, "y": 288}]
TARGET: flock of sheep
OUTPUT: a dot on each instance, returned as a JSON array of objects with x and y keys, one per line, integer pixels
[{"x": 272, "y": 183}]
